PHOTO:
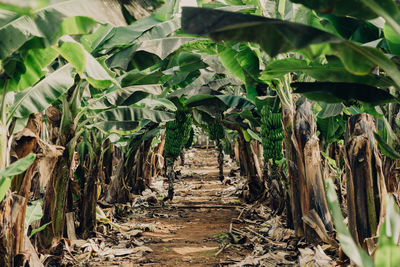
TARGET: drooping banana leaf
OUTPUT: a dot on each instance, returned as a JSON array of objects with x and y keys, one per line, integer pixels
[
  {"x": 39, "y": 97},
  {"x": 385, "y": 148},
  {"x": 35, "y": 63},
  {"x": 243, "y": 63},
  {"x": 353, "y": 8},
  {"x": 85, "y": 63},
  {"x": 47, "y": 23},
  {"x": 127, "y": 118},
  {"x": 274, "y": 36},
  {"x": 145, "y": 29},
  {"x": 332, "y": 72},
  {"x": 156, "y": 103},
  {"x": 329, "y": 92},
  {"x": 124, "y": 96},
  {"x": 160, "y": 47},
  {"x": 392, "y": 40},
  {"x": 277, "y": 36},
  {"x": 222, "y": 102},
  {"x": 136, "y": 77},
  {"x": 362, "y": 9}
]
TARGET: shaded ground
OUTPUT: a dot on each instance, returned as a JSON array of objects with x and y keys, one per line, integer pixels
[
  {"x": 189, "y": 235},
  {"x": 206, "y": 224}
]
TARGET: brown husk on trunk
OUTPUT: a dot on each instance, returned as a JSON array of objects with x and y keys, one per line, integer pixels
[
  {"x": 366, "y": 189},
  {"x": 306, "y": 181}
]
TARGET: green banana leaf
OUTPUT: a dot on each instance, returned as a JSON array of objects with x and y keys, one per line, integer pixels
[
  {"x": 39, "y": 97},
  {"x": 7, "y": 16},
  {"x": 274, "y": 36},
  {"x": 158, "y": 25},
  {"x": 362, "y": 9},
  {"x": 35, "y": 63},
  {"x": 385, "y": 148},
  {"x": 352, "y": 8},
  {"x": 156, "y": 103},
  {"x": 359, "y": 60},
  {"x": 124, "y": 96},
  {"x": 388, "y": 252},
  {"x": 392, "y": 40},
  {"x": 222, "y": 102},
  {"x": 85, "y": 63},
  {"x": 13, "y": 169},
  {"x": 332, "y": 71},
  {"x": 168, "y": 10},
  {"x": 330, "y": 110},
  {"x": 127, "y": 118},
  {"x": 47, "y": 23},
  {"x": 136, "y": 77},
  {"x": 160, "y": 47},
  {"x": 329, "y": 92},
  {"x": 277, "y": 36},
  {"x": 240, "y": 61},
  {"x": 144, "y": 29},
  {"x": 33, "y": 213}
]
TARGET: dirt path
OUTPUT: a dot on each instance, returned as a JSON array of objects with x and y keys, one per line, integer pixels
[
  {"x": 192, "y": 236},
  {"x": 151, "y": 232}
]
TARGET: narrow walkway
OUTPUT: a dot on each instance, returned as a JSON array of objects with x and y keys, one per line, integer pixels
[{"x": 189, "y": 235}]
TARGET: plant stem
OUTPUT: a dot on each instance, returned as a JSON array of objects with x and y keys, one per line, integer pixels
[{"x": 3, "y": 128}]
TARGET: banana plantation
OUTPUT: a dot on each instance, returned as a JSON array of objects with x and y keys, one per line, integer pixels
[{"x": 199, "y": 133}]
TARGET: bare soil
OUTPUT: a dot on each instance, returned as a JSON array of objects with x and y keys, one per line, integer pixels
[
  {"x": 206, "y": 224},
  {"x": 188, "y": 235}
]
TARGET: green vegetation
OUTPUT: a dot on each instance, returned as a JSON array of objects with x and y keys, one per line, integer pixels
[{"x": 91, "y": 91}]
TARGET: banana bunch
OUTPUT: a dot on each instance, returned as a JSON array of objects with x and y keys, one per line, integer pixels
[
  {"x": 177, "y": 133},
  {"x": 271, "y": 133},
  {"x": 189, "y": 143},
  {"x": 215, "y": 131}
]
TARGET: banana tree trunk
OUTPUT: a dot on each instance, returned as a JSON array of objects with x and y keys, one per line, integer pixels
[
  {"x": 88, "y": 202},
  {"x": 276, "y": 191},
  {"x": 117, "y": 192},
  {"x": 10, "y": 212},
  {"x": 294, "y": 213},
  {"x": 108, "y": 162},
  {"x": 157, "y": 159},
  {"x": 390, "y": 166},
  {"x": 55, "y": 202},
  {"x": 365, "y": 182},
  {"x": 56, "y": 196},
  {"x": 171, "y": 178},
  {"x": 24, "y": 143},
  {"x": 306, "y": 179},
  {"x": 220, "y": 160},
  {"x": 247, "y": 165},
  {"x": 182, "y": 157},
  {"x": 140, "y": 175},
  {"x": 255, "y": 183}
]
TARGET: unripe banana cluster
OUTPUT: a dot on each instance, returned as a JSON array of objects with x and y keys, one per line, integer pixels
[
  {"x": 215, "y": 131},
  {"x": 177, "y": 133},
  {"x": 271, "y": 134},
  {"x": 189, "y": 142}
]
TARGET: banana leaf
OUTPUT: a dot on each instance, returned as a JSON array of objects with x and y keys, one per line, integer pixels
[
  {"x": 47, "y": 23},
  {"x": 329, "y": 92},
  {"x": 39, "y": 97}
]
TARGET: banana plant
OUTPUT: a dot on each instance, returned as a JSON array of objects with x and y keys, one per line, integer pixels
[{"x": 30, "y": 51}]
